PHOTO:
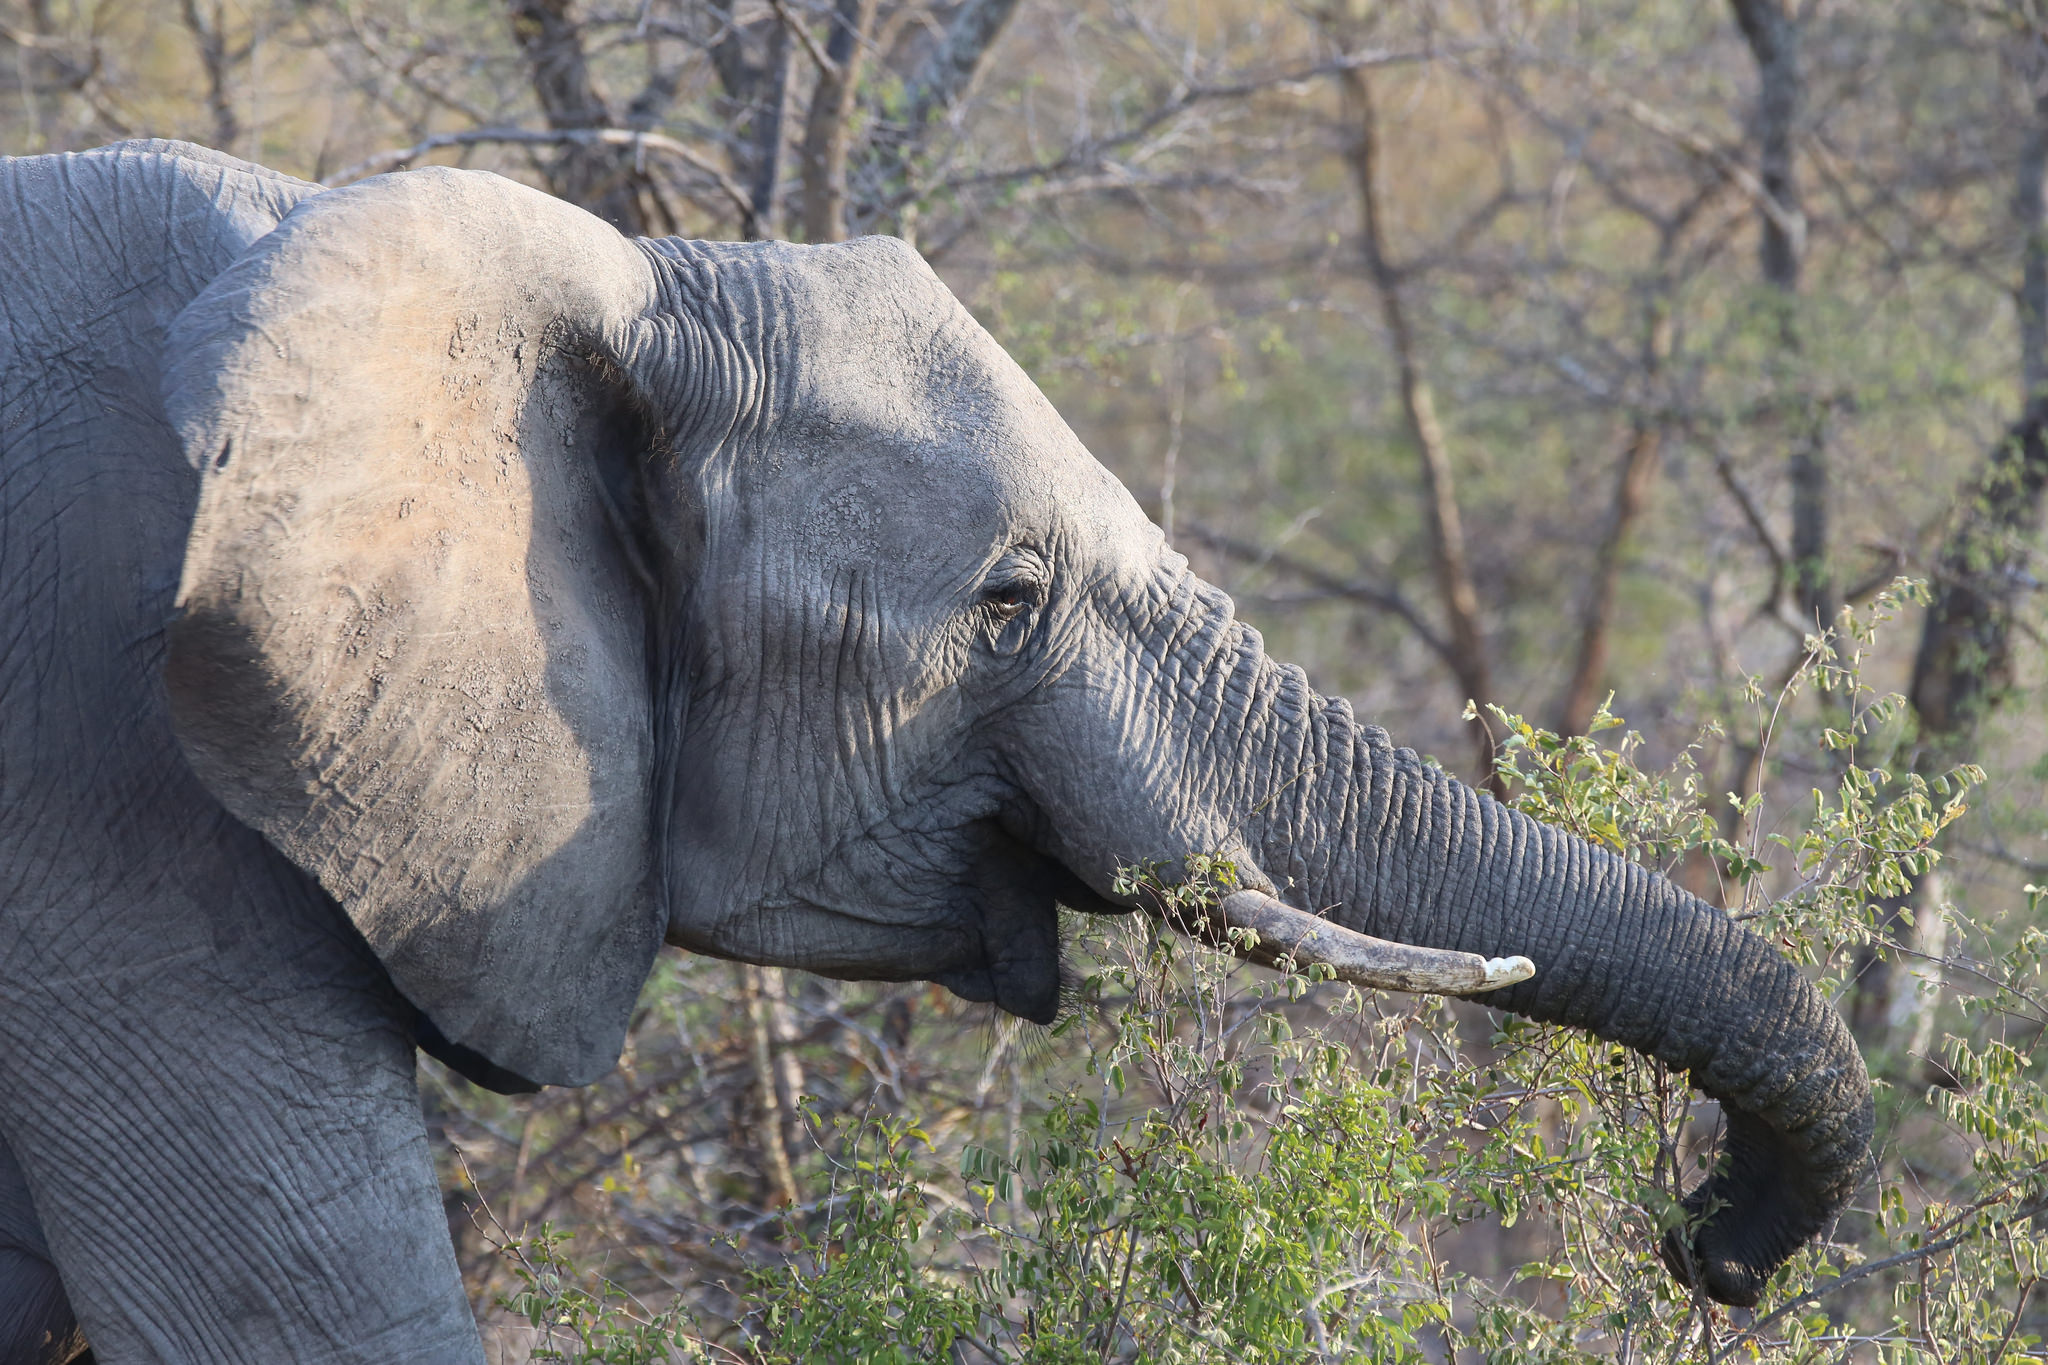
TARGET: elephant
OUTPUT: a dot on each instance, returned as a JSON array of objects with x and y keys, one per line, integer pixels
[{"x": 420, "y": 603}]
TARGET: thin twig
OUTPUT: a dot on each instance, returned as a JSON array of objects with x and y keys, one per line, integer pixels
[
  {"x": 2018, "y": 1311},
  {"x": 1356, "y": 590},
  {"x": 803, "y": 35},
  {"x": 639, "y": 141}
]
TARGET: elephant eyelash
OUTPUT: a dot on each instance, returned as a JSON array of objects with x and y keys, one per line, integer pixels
[
  {"x": 1010, "y": 601},
  {"x": 1016, "y": 584}
]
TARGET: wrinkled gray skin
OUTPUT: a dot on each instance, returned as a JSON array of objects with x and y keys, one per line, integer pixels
[{"x": 417, "y": 595}]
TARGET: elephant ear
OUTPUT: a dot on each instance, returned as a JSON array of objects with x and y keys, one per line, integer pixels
[{"x": 410, "y": 649}]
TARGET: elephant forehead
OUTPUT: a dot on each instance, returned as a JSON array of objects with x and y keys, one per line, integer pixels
[
  {"x": 948, "y": 434},
  {"x": 857, "y": 341},
  {"x": 938, "y": 505},
  {"x": 893, "y": 352},
  {"x": 875, "y": 389}
]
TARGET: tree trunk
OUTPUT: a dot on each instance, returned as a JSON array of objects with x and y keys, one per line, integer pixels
[
  {"x": 602, "y": 179},
  {"x": 1964, "y": 666},
  {"x": 1965, "y": 662},
  {"x": 1637, "y": 472},
  {"x": 1450, "y": 567},
  {"x": 1772, "y": 33},
  {"x": 771, "y": 110},
  {"x": 940, "y": 84},
  {"x": 1582, "y": 695},
  {"x": 829, "y": 126},
  {"x": 778, "y": 1081},
  {"x": 1773, "y": 37}
]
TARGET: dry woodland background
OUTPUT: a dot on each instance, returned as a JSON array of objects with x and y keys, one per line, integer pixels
[{"x": 1511, "y": 352}]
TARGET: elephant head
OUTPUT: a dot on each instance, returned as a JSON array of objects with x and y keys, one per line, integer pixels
[{"x": 553, "y": 594}]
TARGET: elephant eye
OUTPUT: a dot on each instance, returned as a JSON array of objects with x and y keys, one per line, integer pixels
[
  {"x": 1008, "y": 601},
  {"x": 1017, "y": 583}
]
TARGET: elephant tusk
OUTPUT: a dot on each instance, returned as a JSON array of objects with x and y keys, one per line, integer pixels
[{"x": 1283, "y": 932}]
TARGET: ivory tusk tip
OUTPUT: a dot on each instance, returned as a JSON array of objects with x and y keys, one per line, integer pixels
[{"x": 1506, "y": 971}]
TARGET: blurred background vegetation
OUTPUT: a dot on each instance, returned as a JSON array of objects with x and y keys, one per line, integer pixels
[{"x": 1517, "y": 352}]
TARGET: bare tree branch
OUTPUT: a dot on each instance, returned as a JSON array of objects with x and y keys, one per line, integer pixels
[
  {"x": 610, "y": 137},
  {"x": 588, "y": 175},
  {"x": 1357, "y": 590},
  {"x": 209, "y": 34},
  {"x": 802, "y": 32},
  {"x": 950, "y": 71},
  {"x": 1091, "y": 156}
]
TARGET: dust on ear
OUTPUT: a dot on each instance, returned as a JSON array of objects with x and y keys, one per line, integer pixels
[{"x": 413, "y": 646}]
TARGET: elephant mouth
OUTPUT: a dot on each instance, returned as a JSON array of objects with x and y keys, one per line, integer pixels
[
  {"x": 1028, "y": 990},
  {"x": 1013, "y": 894}
]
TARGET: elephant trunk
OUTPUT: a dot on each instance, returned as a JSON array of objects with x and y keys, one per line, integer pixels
[{"x": 1380, "y": 843}]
